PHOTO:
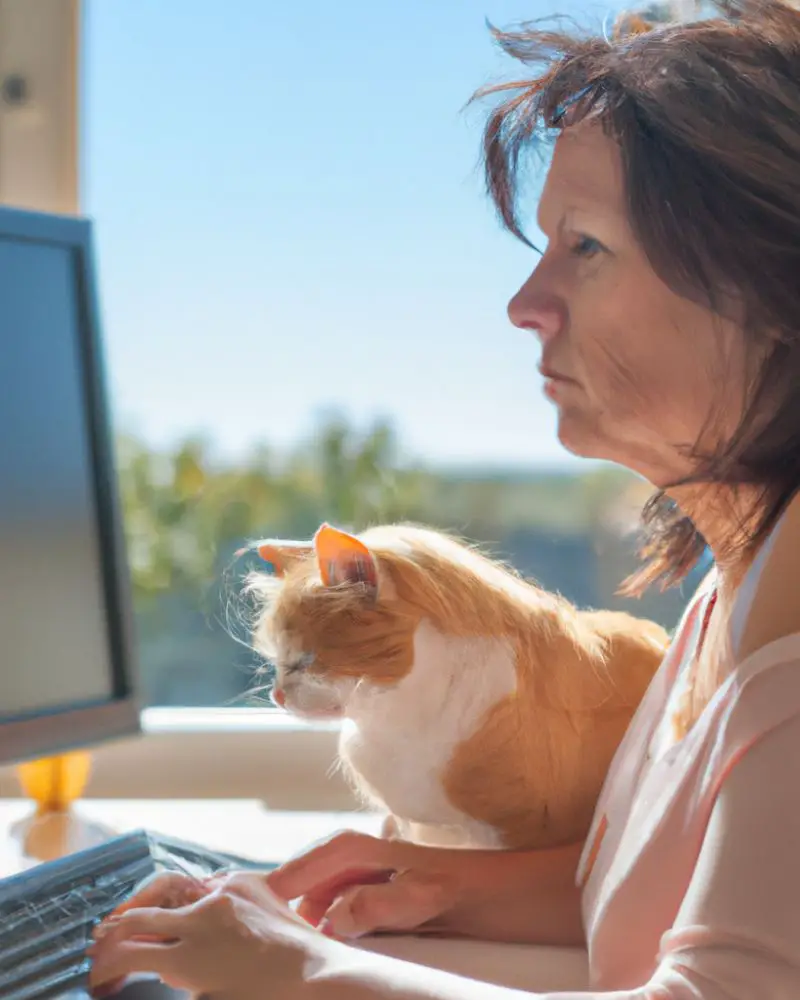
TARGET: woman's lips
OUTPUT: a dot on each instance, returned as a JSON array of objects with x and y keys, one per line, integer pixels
[{"x": 554, "y": 382}]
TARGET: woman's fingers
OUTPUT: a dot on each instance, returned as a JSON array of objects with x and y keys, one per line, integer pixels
[
  {"x": 313, "y": 910},
  {"x": 315, "y": 904},
  {"x": 354, "y": 884},
  {"x": 344, "y": 859},
  {"x": 167, "y": 890},
  {"x": 112, "y": 965},
  {"x": 142, "y": 922},
  {"x": 406, "y": 903},
  {"x": 140, "y": 940}
]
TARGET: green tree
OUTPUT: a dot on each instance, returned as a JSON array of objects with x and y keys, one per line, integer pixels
[{"x": 185, "y": 513}]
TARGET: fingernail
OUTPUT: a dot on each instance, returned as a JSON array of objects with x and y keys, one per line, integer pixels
[
  {"x": 326, "y": 927},
  {"x": 101, "y": 929}
]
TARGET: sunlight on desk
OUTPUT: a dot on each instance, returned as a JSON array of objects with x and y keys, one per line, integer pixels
[{"x": 236, "y": 826}]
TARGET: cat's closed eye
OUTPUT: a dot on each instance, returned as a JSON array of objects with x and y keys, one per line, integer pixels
[{"x": 301, "y": 663}]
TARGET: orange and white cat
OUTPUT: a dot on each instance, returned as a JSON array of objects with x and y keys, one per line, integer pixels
[{"x": 479, "y": 710}]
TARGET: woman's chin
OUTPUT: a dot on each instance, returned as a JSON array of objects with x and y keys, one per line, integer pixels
[{"x": 579, "y": 439}]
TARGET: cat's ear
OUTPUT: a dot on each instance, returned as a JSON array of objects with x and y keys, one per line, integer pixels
[
  {"x": 343, "y": 558},
  {"x": 282, "y": 555}
]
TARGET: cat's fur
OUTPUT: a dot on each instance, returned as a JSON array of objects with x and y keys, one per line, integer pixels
[{"x": 479, "y": 709}]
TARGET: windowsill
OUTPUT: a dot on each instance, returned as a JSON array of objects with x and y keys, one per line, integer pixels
[
  {"x": 227, "y": 720},
  {"x": 220, "y": 753}
]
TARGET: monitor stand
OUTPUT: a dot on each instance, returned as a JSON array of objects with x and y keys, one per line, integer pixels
[{"x": 55, "y": 828}]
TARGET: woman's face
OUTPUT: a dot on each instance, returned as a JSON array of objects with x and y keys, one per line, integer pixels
[{"x": 637, "y": 373}]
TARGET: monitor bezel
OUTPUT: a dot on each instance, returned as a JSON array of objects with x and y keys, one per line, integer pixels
[{"x": 55, "y": 730}]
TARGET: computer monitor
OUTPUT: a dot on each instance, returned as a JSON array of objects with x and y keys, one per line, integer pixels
[{"x": 66, "y": 663}]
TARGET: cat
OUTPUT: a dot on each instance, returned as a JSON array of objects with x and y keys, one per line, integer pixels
[{"x": 478, "y": 709}]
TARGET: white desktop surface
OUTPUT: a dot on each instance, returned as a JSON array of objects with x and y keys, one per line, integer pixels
[
  {"x": 247, "y": 828},
  {"x": 236, "y": 826}
]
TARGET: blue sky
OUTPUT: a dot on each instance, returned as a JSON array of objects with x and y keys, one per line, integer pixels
[{"x": 290, "y": 219}]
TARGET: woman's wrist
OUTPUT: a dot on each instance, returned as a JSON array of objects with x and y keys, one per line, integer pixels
[{"x": 522, "y": 896}]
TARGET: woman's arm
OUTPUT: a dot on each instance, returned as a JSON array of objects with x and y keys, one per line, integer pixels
[
  {"x": 737, "y": 936},
  {"x": 521, "y": 896}
]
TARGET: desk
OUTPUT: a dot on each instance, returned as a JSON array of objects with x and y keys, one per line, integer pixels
[
  {"x": 238, "y": 826},
  {"x": 247, "y": 828}
]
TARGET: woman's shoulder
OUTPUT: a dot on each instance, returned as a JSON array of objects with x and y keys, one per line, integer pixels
[{"x": 767, "y": 608}]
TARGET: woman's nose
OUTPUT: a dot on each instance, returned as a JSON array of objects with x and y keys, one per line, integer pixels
[{"x": 534, "y": 309}]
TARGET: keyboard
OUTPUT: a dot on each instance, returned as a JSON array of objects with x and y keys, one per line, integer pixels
[{"x": 48, "y": 912}]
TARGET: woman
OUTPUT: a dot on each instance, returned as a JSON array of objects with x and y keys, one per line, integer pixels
[{"x": 667, "y": 304}]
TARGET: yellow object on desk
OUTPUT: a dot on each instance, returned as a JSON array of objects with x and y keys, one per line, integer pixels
[
  {"x": 55, "y": 827},
  {"x": 55, "y": 783}
]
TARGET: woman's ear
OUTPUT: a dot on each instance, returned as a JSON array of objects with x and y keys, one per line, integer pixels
[{"x": 343, "y": 558}]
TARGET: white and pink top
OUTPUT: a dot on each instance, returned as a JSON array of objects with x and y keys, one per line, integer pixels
[{"x": 691, "y": 872}]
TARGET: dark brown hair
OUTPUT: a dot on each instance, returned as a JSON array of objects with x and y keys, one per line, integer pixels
[{"x": 707, "y": 118}]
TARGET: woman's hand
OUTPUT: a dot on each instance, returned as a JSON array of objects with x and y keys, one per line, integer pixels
[
  {"x": 355, "y": 884},
  {"x": 227, "y": 935}
]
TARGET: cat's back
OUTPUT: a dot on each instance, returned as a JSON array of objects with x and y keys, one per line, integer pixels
[
  {"x": 635, "y": 648},
  {"x": 434, "y": 560}
]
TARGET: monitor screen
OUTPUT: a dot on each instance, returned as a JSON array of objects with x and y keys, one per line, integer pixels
[{"x": 66, "y": 676}]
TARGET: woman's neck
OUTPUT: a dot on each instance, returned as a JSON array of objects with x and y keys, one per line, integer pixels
[{"x": 726, "y": 518}]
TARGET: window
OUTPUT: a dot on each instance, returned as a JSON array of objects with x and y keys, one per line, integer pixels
[{"x": 303, "y": 290}]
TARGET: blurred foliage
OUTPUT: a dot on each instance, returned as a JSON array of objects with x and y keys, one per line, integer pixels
[
  {"x": 187, "y": 512},
  {"x": 184, "y": 510}
]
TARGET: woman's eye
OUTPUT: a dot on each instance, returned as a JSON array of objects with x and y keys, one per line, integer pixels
[{"x": 586, "y": 246}]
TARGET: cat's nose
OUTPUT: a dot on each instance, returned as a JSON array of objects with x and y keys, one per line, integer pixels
[{"x": 278, "y": 697}]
